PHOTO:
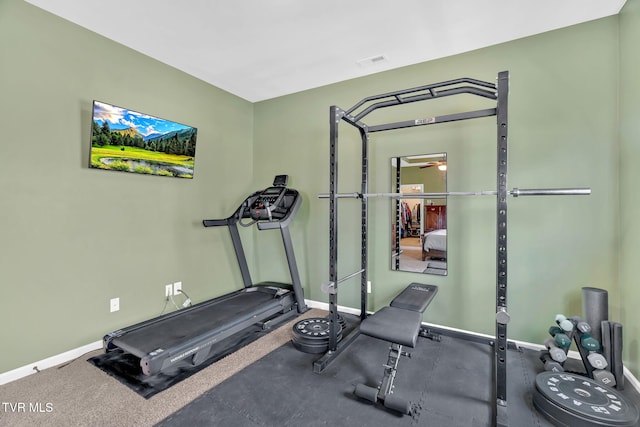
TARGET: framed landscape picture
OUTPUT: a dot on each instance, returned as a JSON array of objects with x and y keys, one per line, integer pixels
[{"x": 128, "y": 141}]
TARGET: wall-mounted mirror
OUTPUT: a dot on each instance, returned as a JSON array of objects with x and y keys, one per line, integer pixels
[{"x": 419, "y": 225}]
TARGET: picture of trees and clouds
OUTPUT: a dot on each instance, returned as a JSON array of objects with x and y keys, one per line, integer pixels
[{"x": 128, "y": 141}]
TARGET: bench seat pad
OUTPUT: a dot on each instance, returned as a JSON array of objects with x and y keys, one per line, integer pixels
[
  {"x": 415, "y": 297},
  {"x": 393, "y": 324}
]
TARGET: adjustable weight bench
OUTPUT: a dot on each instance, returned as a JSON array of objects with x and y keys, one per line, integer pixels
[{"x": 400, "y": 324}]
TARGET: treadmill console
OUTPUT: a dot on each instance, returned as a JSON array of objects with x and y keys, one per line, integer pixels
[
  {"x": 268, "y": 204},
  {"x": 271, "y": 204}
]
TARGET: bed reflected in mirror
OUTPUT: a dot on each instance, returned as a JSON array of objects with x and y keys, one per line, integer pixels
[{"x": 419, "y": 224}]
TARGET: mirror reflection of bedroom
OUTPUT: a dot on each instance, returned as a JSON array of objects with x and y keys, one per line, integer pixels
[{"x": 419, "y": 225}]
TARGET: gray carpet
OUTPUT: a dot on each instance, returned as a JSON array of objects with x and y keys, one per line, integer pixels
[{"x": 79, "y": 394}]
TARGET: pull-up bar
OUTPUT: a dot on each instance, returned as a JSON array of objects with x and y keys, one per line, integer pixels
[{"x": 422, "y": 93}]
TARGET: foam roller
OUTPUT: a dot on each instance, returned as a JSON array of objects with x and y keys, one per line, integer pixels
[
  {"x": 595, "y": 309},
  {"x": 396, "y": 403},
  {"x": 366, "y": 392}
]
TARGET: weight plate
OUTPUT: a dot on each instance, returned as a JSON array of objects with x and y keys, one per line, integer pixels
[
  {"x": 307, "y": 346},
  {"x": 311, "y": 348},
  {"x": 314, "y": 328},
  {"x": 571, "y": 399},
  {"x": 312, "y": 335},
  {"x": 302, "y": 339},
  {"x": 341, "y": 321}
]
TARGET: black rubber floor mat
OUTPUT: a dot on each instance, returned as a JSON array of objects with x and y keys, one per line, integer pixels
[{"x": 449, "y": 382}]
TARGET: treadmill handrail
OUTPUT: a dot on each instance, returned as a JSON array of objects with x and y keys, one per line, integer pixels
[
  {"x": 215, "y": 222},
  {"x": 234, "y": 218}
]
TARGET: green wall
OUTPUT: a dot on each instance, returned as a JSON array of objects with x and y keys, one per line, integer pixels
[
  {"x": 563, "y": 127},
  {"x": 72, "y": 238},
  {"x": 432, "y": 179},
  {"x": 629, "y": 243}
]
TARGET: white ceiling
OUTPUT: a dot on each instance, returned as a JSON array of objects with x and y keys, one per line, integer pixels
[{"x": 261, "y": 49}]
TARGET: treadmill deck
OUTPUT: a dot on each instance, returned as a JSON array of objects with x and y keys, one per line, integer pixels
[{"x": 209, "y": 318}]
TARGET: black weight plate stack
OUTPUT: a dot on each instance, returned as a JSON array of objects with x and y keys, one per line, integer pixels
[
  {"x": 312, "y": 335},
  {"x": 572, "y": 400},
  {"x": 341, "y": 321}
]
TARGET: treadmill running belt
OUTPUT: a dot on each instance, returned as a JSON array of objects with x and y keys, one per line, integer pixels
[{"x": 210, "y": 318}]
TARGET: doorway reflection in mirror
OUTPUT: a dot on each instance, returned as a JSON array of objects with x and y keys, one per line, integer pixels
[{"x": 419, "y": 225}]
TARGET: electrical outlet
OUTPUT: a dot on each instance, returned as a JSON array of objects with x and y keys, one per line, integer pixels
[
  {"x": 368, "y": 286},
  {"x": 114, "y": 304},
  {"x": 177, "y": 288},
  {"x": 168, "y": 290}
]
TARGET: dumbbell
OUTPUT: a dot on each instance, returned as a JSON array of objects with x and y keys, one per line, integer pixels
[
  {"x": 604, "y": 377},
  {"x": 597, "y": 360},
  {"x": 549, "y": 363},
  {"x": 583, "y": 327},
  {"x": 556, "y": 353},
  {"x": 564, "y": 323},
  {"x": 566, "y": 326},
  {"x": 589, "y": 343},
  {"x": 561, "y": 339},
  {"x": 592, "y": 345}
]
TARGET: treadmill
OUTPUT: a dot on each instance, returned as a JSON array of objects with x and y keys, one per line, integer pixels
[{"x": 191, "y": 334}]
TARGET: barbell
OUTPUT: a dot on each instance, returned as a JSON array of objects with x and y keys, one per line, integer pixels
[{"x": 516, "y": 192}]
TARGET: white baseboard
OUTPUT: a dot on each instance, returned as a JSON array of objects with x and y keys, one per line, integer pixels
[
  {"x": 630, "y": 379},
  {"x": 49, "y": 362},
  {"x": 32, "y": 368},
  {"x": 325, "y": 306}
]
